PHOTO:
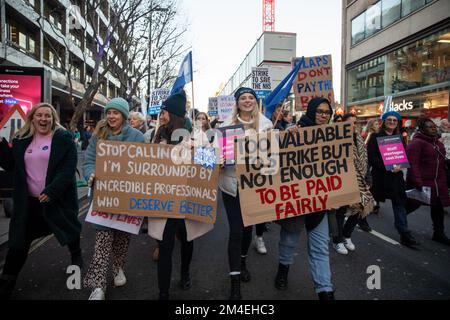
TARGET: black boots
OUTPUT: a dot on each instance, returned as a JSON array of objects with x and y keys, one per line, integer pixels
[
  {"x": 245, "y": 274},
  {"x": 77, "y": 259},
  {"x": 7, "y": 284},
  {"x": 329, "y": 295},
  {"x": 441, "y": 238},
  {"x": 163, "y": 296},
  {"x": 185, "y": 281},
  {"x": 364, "y": 225},
  {"x": 235, "y": 293},
  {"x": 408, "y": 240},
  {"x": 281, "y": 280}
]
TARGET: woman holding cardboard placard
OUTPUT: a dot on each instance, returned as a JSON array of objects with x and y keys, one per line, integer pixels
[
  {"x": 246, "y": 113},
  {"x": 108, "y": 242},
  {"x": 165, "y": 230},
  {"x": 390, "y": 184}
]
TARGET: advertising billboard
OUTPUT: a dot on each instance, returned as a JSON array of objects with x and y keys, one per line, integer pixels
[{"x": 20, "y": 89}]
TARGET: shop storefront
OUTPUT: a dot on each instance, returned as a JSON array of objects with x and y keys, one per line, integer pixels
[{"x": 416, "y": 75}]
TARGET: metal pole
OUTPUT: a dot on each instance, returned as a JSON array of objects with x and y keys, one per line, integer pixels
[{"x": 149, "y": 57}]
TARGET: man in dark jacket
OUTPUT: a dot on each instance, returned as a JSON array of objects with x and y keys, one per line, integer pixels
[{"x": 319, "y": 112}]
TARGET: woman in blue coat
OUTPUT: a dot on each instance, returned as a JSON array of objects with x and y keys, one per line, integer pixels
[{"x": 108, "y": 241}]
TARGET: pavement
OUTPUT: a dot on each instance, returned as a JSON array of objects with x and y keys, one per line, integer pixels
[{"x": 406, "y": 274}]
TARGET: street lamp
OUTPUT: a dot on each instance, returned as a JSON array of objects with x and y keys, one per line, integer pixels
[{"x": 150, "y": 49}]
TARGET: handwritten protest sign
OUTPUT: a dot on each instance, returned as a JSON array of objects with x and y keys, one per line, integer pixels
[
  {"x": 392, "y": 152},
  {"x": 314, "y": 79},
  {"x": 158, "y": 97},
  {"x": 288, "y": 174},
  {"x": 153, "y": 180},
  {"x": 212, "y": 107},
  {"x": 225, "y": 105},
  {"x": 120, "y": 222}
]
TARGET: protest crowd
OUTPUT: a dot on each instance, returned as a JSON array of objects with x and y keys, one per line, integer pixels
[{"x": 325, "y": 191}]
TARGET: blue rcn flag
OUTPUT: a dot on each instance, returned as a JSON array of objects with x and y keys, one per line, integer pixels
[
  {"x": 184, "y": 75},
  {"x": 281, "y": 91}
]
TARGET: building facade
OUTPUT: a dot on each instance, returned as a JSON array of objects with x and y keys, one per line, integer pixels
[
  {"x": 41, "y": 33},
  {"x": 398, "y": 48},
  {"x": 273, "y": 50}
]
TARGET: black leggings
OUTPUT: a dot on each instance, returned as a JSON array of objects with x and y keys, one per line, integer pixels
[
  {"x": 36, "y": 227},
  {"x": 173, "y": 227},
  {"x": 240, "y": 237},
  {"x": 344, "y": 230}
]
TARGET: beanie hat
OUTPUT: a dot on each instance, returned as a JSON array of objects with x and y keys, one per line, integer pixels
[
  {"x": 120, "y": 105},
  {"x": 239, "y": 92},
  {"x": 313, "y": 104},
  {"x": 176, "y": 104},
  {"x": 391, "y": 114}
]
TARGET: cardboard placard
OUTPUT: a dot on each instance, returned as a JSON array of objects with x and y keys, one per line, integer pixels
[
  {"x": 153, "y": 180},
  {"x": 314, "y": 79},
  {"x": 120, "y": 222},
  {"x": 293, "y": 174},
  {"x": 392, "y": 152}
]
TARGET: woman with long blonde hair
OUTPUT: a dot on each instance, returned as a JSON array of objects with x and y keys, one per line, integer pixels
[
  {"x": 246, "y": 113},
  {"x": 43, "y": 158}
]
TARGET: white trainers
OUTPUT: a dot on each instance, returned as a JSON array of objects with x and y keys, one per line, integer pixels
[
  {"x": 97, "y": 294},
  {"x": 120, "y": 279},
  {"x": 259, "y": 245},
  {"x": 340, "y": 248},
  {"x": 349, "y": 244}
]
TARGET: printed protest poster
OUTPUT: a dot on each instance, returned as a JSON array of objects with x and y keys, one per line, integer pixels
[
  {"x": 227, "y": 138},
  {"x": 225, "y": 105},
  {"x": 158, "y": 97},
  {"x": 120, "y": 222},
  {"x": 212, "y": 107},
  {"x": 289, "y": 174},
  {"x": 392, "y": 152},
  {"x": 153, "y": 180},
  {"x": 314, "y": 79},
  {"x": 261, "y": 82}
]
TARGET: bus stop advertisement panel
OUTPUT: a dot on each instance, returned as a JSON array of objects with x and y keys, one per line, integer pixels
[{"x": 20, "y": 89}]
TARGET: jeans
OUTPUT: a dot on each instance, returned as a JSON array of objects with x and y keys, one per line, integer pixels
[
  {"x": 400, "y": 217},
  {"x": 318, "y": 254}
]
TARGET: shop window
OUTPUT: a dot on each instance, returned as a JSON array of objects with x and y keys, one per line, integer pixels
[
  {"x": 390, "y": 12},
  {"x": 358, "y": 28},
  {"x": 22, "y": 40},
  {"x": 373, "y": 19},
  {"x": 409, "y": 6}
]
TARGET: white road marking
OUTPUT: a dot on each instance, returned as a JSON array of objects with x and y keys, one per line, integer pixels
[{"x": 383, "y": 237}]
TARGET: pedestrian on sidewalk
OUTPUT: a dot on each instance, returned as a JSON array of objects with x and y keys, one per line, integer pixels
[
  {"x": 318, "y": 112},
  {"x": 342, "y": 241},
  {"x": 43, "y": 158},
  {"x": 428, "y": 162},
  {"x": 165, "y": 230},
  {"x": 390, "y": 184},
  {"x": 246, "y": 112},
  {"x": 108, "y": 242}
]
